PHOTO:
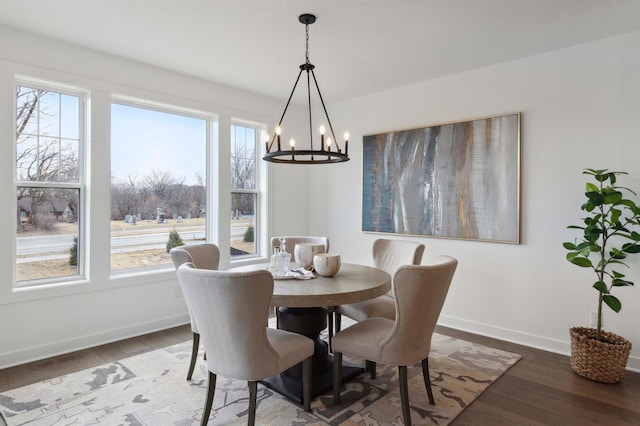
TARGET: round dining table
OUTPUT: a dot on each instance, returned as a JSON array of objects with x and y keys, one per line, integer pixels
[{"x": 302, "y": 307}]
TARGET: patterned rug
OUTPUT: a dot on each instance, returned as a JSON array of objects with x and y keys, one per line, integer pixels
[{"x": 151, "y": 389}]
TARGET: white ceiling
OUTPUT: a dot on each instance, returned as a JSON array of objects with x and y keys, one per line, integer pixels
[{"x": 358, "y": 46}]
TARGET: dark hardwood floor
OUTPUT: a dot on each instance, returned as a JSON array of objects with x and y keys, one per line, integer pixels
[{"x": 541, "y": 389}]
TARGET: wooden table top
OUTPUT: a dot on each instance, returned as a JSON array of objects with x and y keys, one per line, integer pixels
[{"x": 353, "y": 283}]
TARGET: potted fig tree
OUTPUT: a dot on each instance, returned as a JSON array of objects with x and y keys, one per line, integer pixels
[{"x": 609, "y": 233}]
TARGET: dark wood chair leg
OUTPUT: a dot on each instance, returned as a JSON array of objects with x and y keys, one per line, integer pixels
[
  {"x": 370, "y": 366},
  {"x": 306, "y": 384},
  {"x": 338, "y": 318},
  {"x": 211, "y": 390},
  {"x": 194, "y": 354},
  {"x": 253, "y": 394},
  {"x": 404, "y": 394},
  {"x": 337, "y": 377},
  {"x": 427, "y": 380}
]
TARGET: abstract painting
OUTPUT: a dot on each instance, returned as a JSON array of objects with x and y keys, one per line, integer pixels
[{"x": 457, "y": 180}]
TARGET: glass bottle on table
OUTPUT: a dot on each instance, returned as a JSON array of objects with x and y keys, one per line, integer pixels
[
  {"x": 285, "y": 257},
  {"x": 280, "y": 260}
]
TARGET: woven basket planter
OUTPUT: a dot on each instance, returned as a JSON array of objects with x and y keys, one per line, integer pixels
[{"x": 603, "y": 361}]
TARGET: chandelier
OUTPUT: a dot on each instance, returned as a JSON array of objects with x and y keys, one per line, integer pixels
[{"x": 329, "y": 150}]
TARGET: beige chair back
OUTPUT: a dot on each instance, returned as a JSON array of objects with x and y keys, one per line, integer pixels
[
  {"x": 389, "y": 255},
  {"x": 291, "y": 241},
  {"x": 203, "y": 256},
  {"x": 410, "y": 339},
  {"x": 231, "y": 309}
]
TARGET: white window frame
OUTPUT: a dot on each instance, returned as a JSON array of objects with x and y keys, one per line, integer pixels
[
  {"x": 83, "y": 218},
  {"x": 258, "y": 228},
  {"x": 211, "y": 121}
]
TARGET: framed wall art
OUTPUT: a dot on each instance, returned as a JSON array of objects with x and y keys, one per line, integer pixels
[{"x": 457, "y": 180}]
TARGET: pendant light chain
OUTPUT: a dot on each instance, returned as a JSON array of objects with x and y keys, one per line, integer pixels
[{"x": 306, "y": 27}]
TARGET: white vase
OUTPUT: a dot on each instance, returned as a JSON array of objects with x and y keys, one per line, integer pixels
[{"x": 303, "y": 253}]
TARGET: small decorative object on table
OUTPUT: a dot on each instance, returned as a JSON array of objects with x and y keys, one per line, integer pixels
[
  {"x": 303, "y": 253},
  {"x": 280, "y": 260},
  {"x": 326, "y": 264}
]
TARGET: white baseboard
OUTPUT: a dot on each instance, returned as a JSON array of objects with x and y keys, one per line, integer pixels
[
  {"x": 539, "y": 342},
  {"x": 36, "y": 353}
]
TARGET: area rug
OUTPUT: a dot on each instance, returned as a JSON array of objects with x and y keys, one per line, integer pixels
[{"x": 151, "y": 389}]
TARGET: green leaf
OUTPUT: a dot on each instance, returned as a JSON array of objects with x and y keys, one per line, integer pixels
[
  {"x": 583, "y": 245},
  {"x": 569, "y": 246},
  {"x": 615, "y": 215},
  {"x": 595, "y": 198},
  {"x": 629, "y": 203},
  {"x": 635, "y": 236},
  {"x": 617, "y": 254},
  {"x": 593, "y": 172},
  {"x": 631, "y": 248},
  {"x": 591, "y": 235},
  {"x": 620, "y": 283},
  {"x": 601, "y": 286},
  {"x": 612, "y": 302},
  {"x": 618, "y": 274},
  {"x": 580, "y": 261},
  {"x": 612, "y": 197},
  {"x": 591, "y": 187}
]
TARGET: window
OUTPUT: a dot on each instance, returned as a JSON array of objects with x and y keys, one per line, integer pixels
[
  {"x": 158, "y": 184},
  {"x": 244, "y": 189},
  {"x": 50, "y": 189}
]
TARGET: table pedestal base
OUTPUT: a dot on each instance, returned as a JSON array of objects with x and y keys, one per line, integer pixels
[{"x": 308, "y": 322}]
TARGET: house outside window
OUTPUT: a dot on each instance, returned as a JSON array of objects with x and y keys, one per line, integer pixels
[{"x": 50, "y": 183}]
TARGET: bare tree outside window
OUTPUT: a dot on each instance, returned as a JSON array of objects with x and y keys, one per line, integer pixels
[
  {"x": 158, "y": 160},
  {"x": 244, "y": 194},
  {"x": 49, "y": 187}
]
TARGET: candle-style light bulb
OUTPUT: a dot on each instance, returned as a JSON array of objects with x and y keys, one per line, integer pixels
[
  {"x": 329, "y": 144},
  {"x": 292, "y": 143},
  {"x": 278, "y": 131},
  {"x": 322, "y": 129},
  {"x": 322, "y": 137},
  {"x": 346, "y": 143}
]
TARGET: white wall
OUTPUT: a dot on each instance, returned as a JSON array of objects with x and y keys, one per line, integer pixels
[
  {"x": 44, "y": 322},
  {"x": 580, "y": 108}
]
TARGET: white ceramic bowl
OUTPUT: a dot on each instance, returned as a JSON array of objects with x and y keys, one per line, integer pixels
[{"x": 326, "y": 264}]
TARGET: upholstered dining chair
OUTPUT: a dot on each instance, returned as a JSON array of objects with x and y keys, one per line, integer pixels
[
  {"x": 231, "y": 310},
  {"x": 420, "y": 292},
  {"x": 289, "y": 246},
  {"x": 203, "y": 256},
  {"x": 388, "y": 255}
]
